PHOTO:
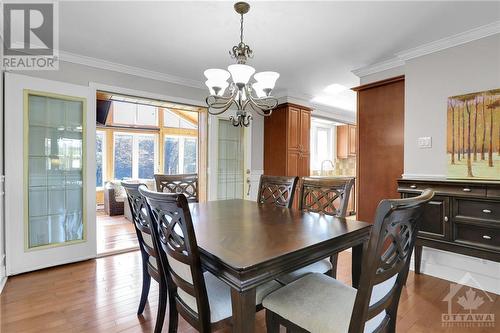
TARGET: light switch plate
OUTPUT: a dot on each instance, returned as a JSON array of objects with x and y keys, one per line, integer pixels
[{"x": 424, "y": 142}]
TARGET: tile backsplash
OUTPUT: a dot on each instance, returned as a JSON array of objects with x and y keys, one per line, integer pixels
[{"x": 343, "y": 167}]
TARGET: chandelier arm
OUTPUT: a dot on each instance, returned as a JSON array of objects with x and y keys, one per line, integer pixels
[
  {"x": 263, "y": 104},
  {"x": 222, "y": 103}
]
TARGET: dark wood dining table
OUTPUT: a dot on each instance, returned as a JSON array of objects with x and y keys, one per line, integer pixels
[{"x": 246, "y": 245}]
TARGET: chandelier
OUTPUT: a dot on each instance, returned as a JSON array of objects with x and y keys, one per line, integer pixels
[{"x": 240, "y": 92}]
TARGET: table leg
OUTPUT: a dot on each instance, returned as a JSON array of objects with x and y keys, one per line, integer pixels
[
  {"x": 357, "y": 257},
  {"x": 243, "y": 304}
]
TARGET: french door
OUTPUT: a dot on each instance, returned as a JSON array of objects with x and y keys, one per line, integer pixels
[
  {"x": 229, "y": 156},
  {"x": 49, "y": 173}
]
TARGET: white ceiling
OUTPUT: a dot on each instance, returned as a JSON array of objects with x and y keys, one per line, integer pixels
[{"x": 312, "y": 44}]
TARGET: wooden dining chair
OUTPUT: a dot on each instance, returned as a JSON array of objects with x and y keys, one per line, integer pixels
[
  {"x": 150, "y": 259},
  {"x": 199, "y": 297},
  {"x": 186, "y": 184},
  {"x": 319, "y": 303},
  {"x": 277, "y": 190},
  {"x": 328, "y": 196}
]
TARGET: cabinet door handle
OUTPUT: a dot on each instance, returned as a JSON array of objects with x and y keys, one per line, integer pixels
[
  {"x": 467, "y": 189},
  {"x": 486, "y": 211},
  {"x": 446, "y": 218},
  {"x": 487, "y": 237},
  {"x": 413, "y": 186}
]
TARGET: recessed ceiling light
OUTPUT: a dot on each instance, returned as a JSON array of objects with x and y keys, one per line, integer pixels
[{"x": 334, "y": 88}]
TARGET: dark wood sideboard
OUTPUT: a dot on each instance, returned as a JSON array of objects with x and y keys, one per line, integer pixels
[{"x": 463, "y": 217}]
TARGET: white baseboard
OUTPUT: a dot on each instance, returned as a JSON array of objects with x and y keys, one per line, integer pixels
[{"x": 453, "y": 267}]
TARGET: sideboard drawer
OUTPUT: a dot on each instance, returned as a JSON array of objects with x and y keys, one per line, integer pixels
[
  {"x": 485, "y": 237},
  {"x": 455, "y": 190},
  {"x": 479, "y": 209}
]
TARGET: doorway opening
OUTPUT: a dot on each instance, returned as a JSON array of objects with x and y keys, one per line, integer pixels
[{"x": 137, "y": 138}]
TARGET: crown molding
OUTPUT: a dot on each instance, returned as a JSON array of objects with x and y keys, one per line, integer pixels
[
  {"x": 378, "y": 67},
  {"x": 448, "y": 42},
  {"x": 131, "y": 70},
  {"x": 428, "y": 48}
]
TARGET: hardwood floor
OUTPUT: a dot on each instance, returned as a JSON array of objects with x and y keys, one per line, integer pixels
[
  {"x": 102, "y": 295},
  {"x": 114, "y": 234}
]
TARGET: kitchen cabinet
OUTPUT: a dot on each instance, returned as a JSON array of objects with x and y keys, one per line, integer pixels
[
  {"x": 380, "y": 143},
  {"x": 287, "y": 141},
  {"x": 346, "y": 141}
]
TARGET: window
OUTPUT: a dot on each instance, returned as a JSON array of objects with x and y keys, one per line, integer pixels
[
  {"x": 180, "y": 119},
  {"x": 134, "y": 155},
  {"x": 321, "y": 145},
  {"x": 180, "y": 155},
  {"x": 100, "y": 145},
  {"x": 125, "y": 113}
]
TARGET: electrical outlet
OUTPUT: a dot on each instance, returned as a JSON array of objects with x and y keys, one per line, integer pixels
[{"x": 424, "y": 142}]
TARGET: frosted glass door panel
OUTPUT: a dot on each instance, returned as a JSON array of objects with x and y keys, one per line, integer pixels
[
  {"x": 230, "y": 161},
  {"x": 55, "y": 170}
]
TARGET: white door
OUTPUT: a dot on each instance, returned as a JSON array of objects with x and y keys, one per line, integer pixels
[
  {"x": 229, "y": 155},
  {"x": 49, "y": 173}
]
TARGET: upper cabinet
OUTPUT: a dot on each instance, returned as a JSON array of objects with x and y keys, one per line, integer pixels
[
  {"x": 346, "y": 141},
  {"x": 287, "y": 140}
]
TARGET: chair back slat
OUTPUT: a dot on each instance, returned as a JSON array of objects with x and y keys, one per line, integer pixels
[
  {"x": 386, "y": 263},
  {"x": 277, "y": 190},
  {"x": 138, "y": 208},
  {"x": 186, "y": 184},
  {"x": 329, "y": 196},
  {"x": 179, "y": 254}
]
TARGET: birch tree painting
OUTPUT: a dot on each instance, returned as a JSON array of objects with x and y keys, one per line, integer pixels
[{"x": 473, "y": 138}]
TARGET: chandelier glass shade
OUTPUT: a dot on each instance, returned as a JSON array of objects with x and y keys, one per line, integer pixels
[{"x": 241, "y": 93}]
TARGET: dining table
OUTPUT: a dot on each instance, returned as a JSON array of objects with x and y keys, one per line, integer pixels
[{"x": 246, "y": 244}]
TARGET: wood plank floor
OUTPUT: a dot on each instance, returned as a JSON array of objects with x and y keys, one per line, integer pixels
[
  {"x": 102, "y": 296},
  {"x": 114, "y": 234}
]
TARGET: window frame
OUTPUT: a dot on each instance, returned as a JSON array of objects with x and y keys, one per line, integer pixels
[
  {"x": 104, "y": 158},
  {"x": 315, "y": 163}
]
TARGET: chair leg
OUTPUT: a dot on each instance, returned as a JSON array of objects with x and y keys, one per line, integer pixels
[
  {"x": 146, "y": 283},
  {"x": 162, "y": 307},
  {"x": 173, "y": 316},
  {"x": 272, "y": 323},
  {"x": 333, "y": 260}
]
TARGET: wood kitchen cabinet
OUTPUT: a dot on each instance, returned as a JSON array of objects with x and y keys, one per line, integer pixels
[
  {"x": 346, "y": 141},
  {"x": 287, "y": 140}
]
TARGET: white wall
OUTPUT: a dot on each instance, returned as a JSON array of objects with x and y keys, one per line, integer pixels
[{"x": 429, "y": 81}]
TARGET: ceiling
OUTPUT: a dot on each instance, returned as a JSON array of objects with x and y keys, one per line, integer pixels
[{"x": 312, "y": 44}]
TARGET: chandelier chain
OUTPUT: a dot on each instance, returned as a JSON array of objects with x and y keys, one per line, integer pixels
[{"x": 241, "y": 28}]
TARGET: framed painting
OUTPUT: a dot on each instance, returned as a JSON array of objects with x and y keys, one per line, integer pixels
[{"x": 473, "y": 136}]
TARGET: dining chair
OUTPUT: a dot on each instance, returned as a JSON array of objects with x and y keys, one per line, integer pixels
[
  {"x": 202, "y": 299},
  {"x": 278, "y": 190},
  {"x": 186, "y": 184},
  {"x": 329, "y": 196},
  {"x": 149, "y": 253},
  {"x": 318, "y": 303}
]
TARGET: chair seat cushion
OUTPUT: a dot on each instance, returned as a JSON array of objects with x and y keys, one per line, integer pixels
[
  {"x": 321, "y": 304},
  {"x": 321, "y": 266},
  {"x": 219, "y": 296}
]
